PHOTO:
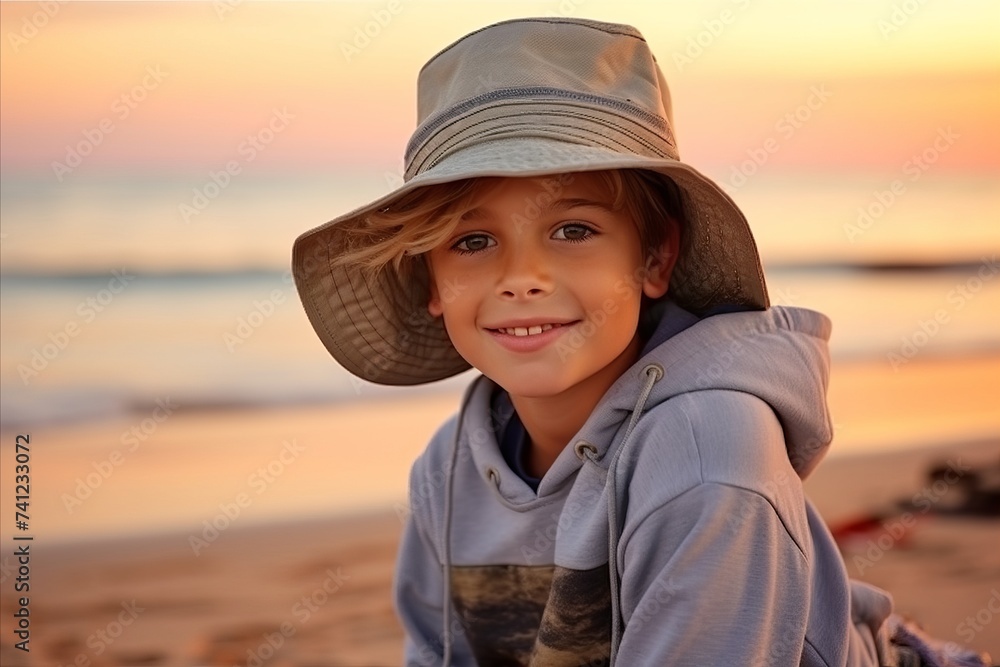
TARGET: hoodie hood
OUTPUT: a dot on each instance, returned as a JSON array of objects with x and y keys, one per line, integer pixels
[{"x": 779, "y": 355}]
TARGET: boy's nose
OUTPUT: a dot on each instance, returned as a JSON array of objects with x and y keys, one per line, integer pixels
[{"x": 524, "y": 276}]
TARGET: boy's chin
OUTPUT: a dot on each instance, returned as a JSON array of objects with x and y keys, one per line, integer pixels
[{"x": 531, "y": 385}]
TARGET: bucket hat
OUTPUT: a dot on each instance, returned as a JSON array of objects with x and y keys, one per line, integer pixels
[{"x": 520, "y": 98}]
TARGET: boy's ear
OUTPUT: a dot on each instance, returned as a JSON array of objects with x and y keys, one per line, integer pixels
[
  {"x": 434, "y": 302},
  {"x": 660, "y": 265}
]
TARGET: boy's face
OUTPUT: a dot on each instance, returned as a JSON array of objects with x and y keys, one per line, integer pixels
[{"x": 540, "y": 285}]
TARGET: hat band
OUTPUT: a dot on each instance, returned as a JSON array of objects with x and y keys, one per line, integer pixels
[{"x": 584, "y": 119}]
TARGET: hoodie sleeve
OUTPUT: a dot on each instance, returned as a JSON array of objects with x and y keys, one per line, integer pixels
[{"x": 713, "y": 578}]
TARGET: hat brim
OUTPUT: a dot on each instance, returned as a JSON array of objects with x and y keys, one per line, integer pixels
[{"x": 378, "y": 327}]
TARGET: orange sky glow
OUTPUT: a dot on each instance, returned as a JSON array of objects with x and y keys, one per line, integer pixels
[
  {"x": 846, "y": 95},
  {"x": 894, "y": 80}
]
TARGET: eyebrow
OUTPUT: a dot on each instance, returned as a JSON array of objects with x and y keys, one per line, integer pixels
[{"x": 563, "y": 204}]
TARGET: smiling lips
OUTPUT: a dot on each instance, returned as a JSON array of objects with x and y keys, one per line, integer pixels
[
  {"x": 529, "y": 338},
  {"x": 527, "y": 331}
]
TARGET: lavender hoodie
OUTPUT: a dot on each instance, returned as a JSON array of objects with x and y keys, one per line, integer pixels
[{"x": 672, "y": 530}]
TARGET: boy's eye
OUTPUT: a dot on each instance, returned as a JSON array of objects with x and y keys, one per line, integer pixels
[
  {"x": 474, "y": 243},
  {"x": 573, "y": 232}
]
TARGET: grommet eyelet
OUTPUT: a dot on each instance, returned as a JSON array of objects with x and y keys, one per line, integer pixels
[
  {"x": 585, "y": 450},
  {"x": 653, "y": 370}
]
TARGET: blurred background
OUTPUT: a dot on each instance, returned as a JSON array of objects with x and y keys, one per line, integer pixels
[{"x": 158, "y": 159}]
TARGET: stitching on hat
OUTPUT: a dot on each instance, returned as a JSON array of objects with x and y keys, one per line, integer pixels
[
  {"x": 571, "y": 112},
  {"x": 429, "y": 338},
  {"x": 317, "y": 295},
  {"x": 635, "y": 136},
  {"x": 531, "y": 93},
  {"x": 396, "y": 358},
  {"x": 383, "y": 346},
  {"x": 431, "y": 125},
  {"x": 487, "y": 134},
  {"x": 445, "y": 145},
  {"x": 557, "y": 130},
  {"x": 349, "y": 284},
  {"x": 444, "y": 148},
  {"x": 432, "y": 330}
]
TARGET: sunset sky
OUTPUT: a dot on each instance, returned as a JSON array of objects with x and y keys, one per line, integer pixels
[
  {"x": 894, "y": 77},
  {"x": 97, "y": 99}
]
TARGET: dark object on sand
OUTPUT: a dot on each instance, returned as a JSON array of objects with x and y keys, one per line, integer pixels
[
  {"x": 953, "y": 489},
  {"x": 956, "y": 489}
]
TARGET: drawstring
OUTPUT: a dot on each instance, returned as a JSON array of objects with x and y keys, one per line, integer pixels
[
  {"x": 446, "y": 636},
  {"x": 653, "y": 373},
  {"x": 446, "y": 551}
]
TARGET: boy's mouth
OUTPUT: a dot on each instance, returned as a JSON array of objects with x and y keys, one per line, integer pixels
[
  {"x": 528, "y": 335},
  {"x": 527, "y": 331}
]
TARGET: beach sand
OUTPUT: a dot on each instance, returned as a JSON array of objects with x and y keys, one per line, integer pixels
[{"x": 268, "y": 537}]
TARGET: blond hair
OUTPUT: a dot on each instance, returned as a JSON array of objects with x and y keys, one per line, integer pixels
[{"x": 423, "y": 219}]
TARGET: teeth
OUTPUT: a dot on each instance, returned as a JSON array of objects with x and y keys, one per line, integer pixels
[{"x": 528, "y": 331}]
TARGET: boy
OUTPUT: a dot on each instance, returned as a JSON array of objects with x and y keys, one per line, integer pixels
[{"x": 622, "y": 484}]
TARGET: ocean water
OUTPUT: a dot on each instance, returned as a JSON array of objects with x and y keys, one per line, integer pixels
[{"x": 110, "y": 301}]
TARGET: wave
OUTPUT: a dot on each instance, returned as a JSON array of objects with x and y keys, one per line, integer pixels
[
  {"x": 961, "y": 265},
  {"x": 188, "y": 275},
  {"x": 167, "y": 276},
  {"x": 71, "y": 407}
]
